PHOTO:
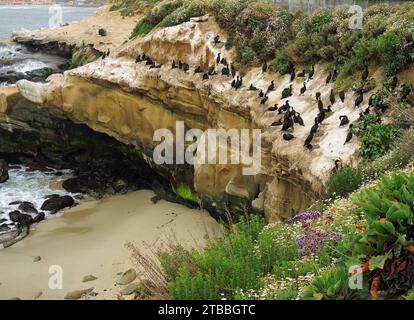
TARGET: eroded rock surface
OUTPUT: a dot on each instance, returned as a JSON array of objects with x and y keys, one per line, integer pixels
[{"x": 129, "y": 101}]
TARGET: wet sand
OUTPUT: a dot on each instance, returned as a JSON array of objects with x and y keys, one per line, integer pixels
[{"x": 90, "y": 239}]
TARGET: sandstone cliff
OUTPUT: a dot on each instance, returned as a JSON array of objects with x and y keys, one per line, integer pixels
[{"x": 129, "y": 101}]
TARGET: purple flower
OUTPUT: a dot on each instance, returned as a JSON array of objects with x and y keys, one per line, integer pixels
[
  {"x": 313, "y": 240},
  {"x": 305, "y": 216}
]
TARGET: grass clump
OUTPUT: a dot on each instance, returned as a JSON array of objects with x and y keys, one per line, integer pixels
[
  {"x": 185, "y": 192},
  {"x": 77, "y": 59},
  {"x": 343, "y": 182}
]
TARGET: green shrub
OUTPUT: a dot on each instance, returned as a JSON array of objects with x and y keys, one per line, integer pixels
[
  {"x": 188, "y": 10},
  {"x": 77, "y": 60},
  {"x": 378, "y": 140},
  {"x": 390, "y": 50},
  {"x": 343, "y": 182},
  {"x": 155, "y": 15},
  {"x": 224, "y": 266},
  {"x": 281, "y": 62},
  {"x": 142, "y": 29},
  {"x": 185, "y": 192}
]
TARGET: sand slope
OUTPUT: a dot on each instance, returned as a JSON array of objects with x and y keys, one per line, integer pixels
[{"x": 90, "y": 239}]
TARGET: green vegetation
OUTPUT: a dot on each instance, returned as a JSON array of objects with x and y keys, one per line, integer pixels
[
  {"x": 308, "y": 257},
  {"x": 378, "y": 140},
  {"x": 77, "y": 60},
  {"x": 185, "y": 192},
  {"x": 343, "y": 182},
  {"x": 261, "y": 31}
]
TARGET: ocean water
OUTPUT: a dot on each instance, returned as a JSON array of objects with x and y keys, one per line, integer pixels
[
  {"x": 31, "y": 186},
  {"x": 13, "y": 18}
]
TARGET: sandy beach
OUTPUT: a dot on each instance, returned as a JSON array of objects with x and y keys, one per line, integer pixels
[{"x": 90, "y": 239}]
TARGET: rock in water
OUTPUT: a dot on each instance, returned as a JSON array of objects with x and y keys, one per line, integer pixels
[
  {"x": 27, "y": 207},
  {"x": 21, "y": 218},
  {"x": 57, "y": 203},
  {"x": 4, "y": 172},
  {"x": 74, "y": 295},
  {"x": 130, "y": 289},
  {"x": 89, "y": 278},
  {"x": 127, "y": 277}
]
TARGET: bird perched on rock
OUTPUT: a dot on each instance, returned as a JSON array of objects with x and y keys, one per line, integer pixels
[
  {"x": 359, "y": 100},
  {"x": 225, "y": 71},
  {"x": 264, "y": 99},
  {"x": 186, "y": 67},
  {"x": 205, "y": 76},
  {"x": 138, "y": 59},
  {"x": 198, "y": 70},
  {"x": 344, "y": 120},
  {"x": 211, "y": 71},
  {"x": 318, "y": 95},
  {"x": 298, "y": 119},
  {"x": 342, "y": 95},
  {"x": 264, "y": 66},
  {"x": 309, "y": 139},
  {"x": 338, "y": 166},
  {"x": 328, "y": 78},
  {"x": 233, "y": 71},
  {"x": 302, "y": 74},
  {"x": 288, "y": 136},
  {"x": 261, "y": 93},
  {"x": 315, "y": 127},
  {"x": 274, "y": 108},
  {"x": 252, "y": 87},
  {"x": 332, "y": 97},
  {"x": 303, "y": 89},
  {"x": 277, "y": 123},
  {"x": 216, "y": 39},
  {"x": 321, "y": 116},
  {"x": 349, "y": 135},
  {"x": 287, "y": 92},
  {"x": 292, "y": 74},
  {"x": 271, "y": 87},
  {"x": 218, "y": 59},
  {"x": 311, "y": 73}
]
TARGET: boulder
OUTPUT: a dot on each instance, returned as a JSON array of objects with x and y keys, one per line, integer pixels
[
  {"x": 127, "y": 277},
  {"x": 74, "y": 295},
  {"x": 57, "y": 203},
  {"x": 20, "y": 218},
  {"x": 4, "y": 172},
  {"x": 130, "y": 289},
  {"x": 4, "y": 227},
  {"x": 88, "y": 278},
  {"x": 27, "y": 207},
  {"x": 39, "y": 217}
]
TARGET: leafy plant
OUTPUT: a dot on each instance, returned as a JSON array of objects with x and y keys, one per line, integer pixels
[
  {"x": 378, "y": 140},
  {"x": 386, "y": 242},
  {"x": 331, "y": 285}
]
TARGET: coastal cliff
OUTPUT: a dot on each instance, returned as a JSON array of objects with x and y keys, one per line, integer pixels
[{"x": 120, "y": 97}]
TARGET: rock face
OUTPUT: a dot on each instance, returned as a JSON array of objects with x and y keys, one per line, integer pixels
[
  {"x": 4, "y": 173},
  {"x": 130, "y": 102}
]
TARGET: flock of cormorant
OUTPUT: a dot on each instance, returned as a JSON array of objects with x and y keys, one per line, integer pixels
[{"x": 290, "y": 116}]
